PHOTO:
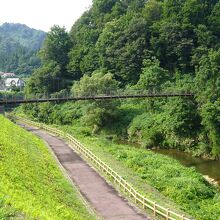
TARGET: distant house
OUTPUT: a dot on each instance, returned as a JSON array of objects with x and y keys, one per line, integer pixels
[{"x": 14, "y": 83}]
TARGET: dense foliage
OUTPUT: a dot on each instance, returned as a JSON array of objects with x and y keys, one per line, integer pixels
[
  {"x": 153, "y": 45},
  {"x": 18, "y": 48},
  {"x": 31, "y": 185}
]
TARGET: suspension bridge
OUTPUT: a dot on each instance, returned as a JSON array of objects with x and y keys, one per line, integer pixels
[{"x": 16, "y": 100}]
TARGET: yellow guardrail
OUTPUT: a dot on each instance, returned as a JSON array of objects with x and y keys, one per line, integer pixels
[{"x": 123, "y": 184}]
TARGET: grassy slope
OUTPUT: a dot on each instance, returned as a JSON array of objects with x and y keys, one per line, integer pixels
[
  {"x": 31, "y": 181},
  {"x": 144, "y": 169}
]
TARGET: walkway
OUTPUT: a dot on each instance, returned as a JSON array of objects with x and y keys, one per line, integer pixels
[{"x": 102, "y": 197}]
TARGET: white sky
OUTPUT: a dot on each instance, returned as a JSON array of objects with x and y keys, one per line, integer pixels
[{"x": 43, "y": 14}]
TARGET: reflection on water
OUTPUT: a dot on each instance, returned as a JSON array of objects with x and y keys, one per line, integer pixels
[{"x": 206, "y": 167}]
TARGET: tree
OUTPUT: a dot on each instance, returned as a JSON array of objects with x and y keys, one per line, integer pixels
[
  {"x": 153, "y": 76},
  {"x": 152, "y": 11},
  {"x": 56, "y": 47},
  {"x": 122, "y": 47},
  {"x": 83, "y": 58},
  {"x": 97, "y": 113},
  {"x": 208, "y": 93},
  {"x": 52, "y": 76},
  {"x": 45, "y": 80},
  {"x": 208, "y": 78},
  {"x": 214, "y": 19},
  {"x": 173, "y": 44},
  {"x": 210, "y": 113},
  {"x": 103, "y": 6}
]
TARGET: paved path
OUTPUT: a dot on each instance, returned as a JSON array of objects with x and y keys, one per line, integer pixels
[{"x": 102, "y": 197}]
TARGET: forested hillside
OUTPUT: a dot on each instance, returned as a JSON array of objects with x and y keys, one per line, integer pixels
[
  {"x": 18, "y": 48},
  {"x": 154, "y": 45}
]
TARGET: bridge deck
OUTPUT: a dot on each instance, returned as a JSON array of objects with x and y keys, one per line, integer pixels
[{"x": 101, "y": 97}]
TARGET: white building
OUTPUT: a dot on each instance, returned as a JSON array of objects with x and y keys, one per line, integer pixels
[{"x": 14, "y": 83}]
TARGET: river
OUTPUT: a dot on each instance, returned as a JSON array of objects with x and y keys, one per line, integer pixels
[{"x": 204, "y": 166}]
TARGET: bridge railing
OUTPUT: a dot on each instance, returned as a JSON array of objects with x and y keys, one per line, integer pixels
[{"x": 146, "y": 203}]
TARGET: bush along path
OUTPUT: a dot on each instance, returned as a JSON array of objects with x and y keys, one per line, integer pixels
[{"x": 105, "y": 199}]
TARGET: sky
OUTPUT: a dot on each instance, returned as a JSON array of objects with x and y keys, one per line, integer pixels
[{"x": 43, "y": 14}]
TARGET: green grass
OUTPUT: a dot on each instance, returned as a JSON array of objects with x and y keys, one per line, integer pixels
[
  {"x": 159, "y": 177},
  {"x": 32, "y": 185}
]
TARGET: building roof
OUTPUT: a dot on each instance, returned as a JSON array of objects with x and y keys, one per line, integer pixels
[{"x": 6, "y": 74}]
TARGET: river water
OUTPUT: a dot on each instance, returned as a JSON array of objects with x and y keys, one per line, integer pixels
[{"x": 204, "y": 166}]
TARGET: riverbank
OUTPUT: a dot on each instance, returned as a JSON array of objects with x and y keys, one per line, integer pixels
[{"x": 208, "y": 168}]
